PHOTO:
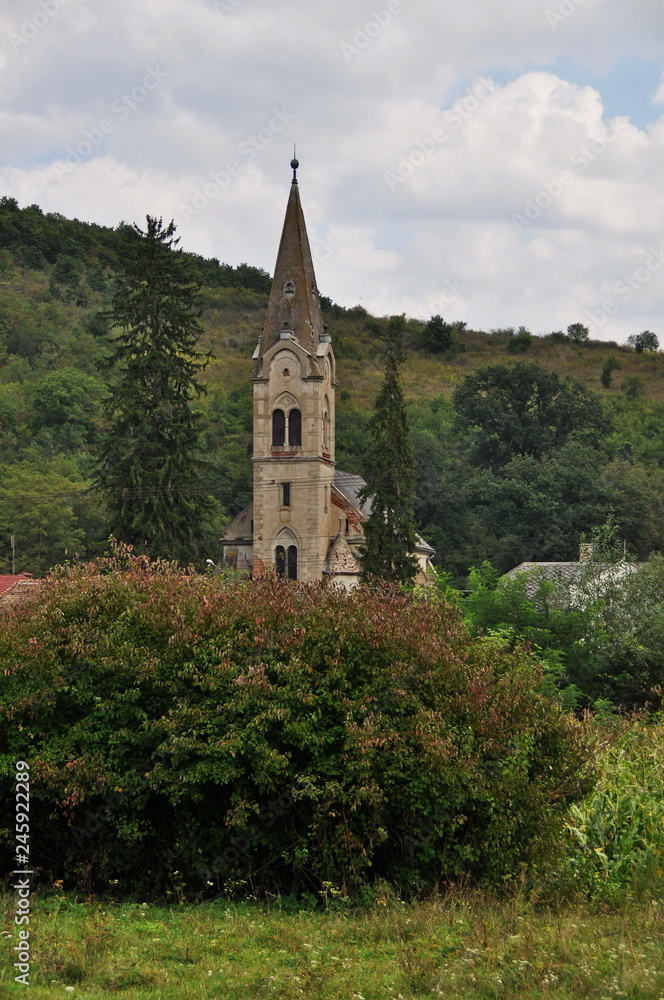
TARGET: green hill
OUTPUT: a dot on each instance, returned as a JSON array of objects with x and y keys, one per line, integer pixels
[{"x": 55, "y": 276}]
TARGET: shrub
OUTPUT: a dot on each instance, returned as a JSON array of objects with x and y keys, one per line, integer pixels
[
  {"x": 437, "y": 336},
  {"x": 520, "y": 342},
  {"x": 633, "y": 386},
  {"x": 274, "y": 733},
  {"x": 616, "y": 834},
  {"x": 612, "y": 365}
]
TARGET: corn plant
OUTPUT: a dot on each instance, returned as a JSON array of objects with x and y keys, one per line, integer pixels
[{"x": 616, "y": 833}]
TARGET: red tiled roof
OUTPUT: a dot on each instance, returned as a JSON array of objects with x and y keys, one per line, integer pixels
[{"x": 7, "y": 582}]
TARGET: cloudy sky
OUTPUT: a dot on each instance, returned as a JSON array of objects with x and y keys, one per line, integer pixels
[{"x": 496, "y": 162}]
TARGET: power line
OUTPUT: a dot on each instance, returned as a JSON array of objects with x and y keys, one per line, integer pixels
[{"x": 146, "y": 492}]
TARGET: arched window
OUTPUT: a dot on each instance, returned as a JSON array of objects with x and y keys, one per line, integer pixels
[
  {"x": 292, "y": 562},
  {"x": 326, "y": 431},
  {"x": 294, "y": 428},
  {"x": 280, "y": 560},
  {"x": 286, "y": 561},
  {"x": 278, "y": 428}
]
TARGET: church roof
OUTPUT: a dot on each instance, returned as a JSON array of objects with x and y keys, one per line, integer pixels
[
  {"x": 350, "y": 486},
  {"x": 294, "y": 304}
]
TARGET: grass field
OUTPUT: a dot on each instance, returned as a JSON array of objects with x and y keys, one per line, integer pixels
[{"x": 464, "y": 946}]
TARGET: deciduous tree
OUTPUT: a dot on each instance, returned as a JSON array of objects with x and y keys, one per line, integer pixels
[
  {"x": 524, "y": 410},
  {"x": 578, "y": 333},
  {"x": 646, "y": 341}
]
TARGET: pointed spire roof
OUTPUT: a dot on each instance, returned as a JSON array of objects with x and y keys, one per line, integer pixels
[
  {"x": 294, "y": 303},
  {"x": 340, "y": 560}
]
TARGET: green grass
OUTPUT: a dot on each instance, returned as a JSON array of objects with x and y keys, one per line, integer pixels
[{"x": 464, "y": 946}]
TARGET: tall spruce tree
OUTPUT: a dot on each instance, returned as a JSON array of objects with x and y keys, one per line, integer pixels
[
  {"x": 150, "y": 469},
  {"x": 390, "y": 536}
]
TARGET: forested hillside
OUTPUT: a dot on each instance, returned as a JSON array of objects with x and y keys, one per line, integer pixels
[{"x": 512, "y": 465}]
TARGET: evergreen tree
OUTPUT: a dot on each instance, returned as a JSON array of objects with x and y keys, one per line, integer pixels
[
  {"x": 150, "y": 468},
  {"x": 390, "y": 536}
]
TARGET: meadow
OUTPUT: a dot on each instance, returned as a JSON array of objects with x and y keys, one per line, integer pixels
[{"x": 462, "y": 945}]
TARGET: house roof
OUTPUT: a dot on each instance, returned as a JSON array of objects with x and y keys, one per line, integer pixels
[
  {"x": 8, "y": 581},
  {"x": 572, "y": 571}
]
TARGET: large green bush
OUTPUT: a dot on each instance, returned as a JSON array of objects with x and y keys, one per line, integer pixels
[{"x": 181, "y": 728}]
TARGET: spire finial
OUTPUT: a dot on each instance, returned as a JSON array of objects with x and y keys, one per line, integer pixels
[{"x": 294, "y": 164}]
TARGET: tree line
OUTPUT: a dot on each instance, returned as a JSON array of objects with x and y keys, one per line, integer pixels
[{"x": 514, "y": 466}]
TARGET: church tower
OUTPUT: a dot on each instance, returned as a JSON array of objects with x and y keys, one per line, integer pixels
[
  {"x": 306, "y": 520},
  {"x": 294, "y": 415}
]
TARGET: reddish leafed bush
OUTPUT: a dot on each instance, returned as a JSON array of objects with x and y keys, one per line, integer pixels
[{"x": 183, "y": 728}]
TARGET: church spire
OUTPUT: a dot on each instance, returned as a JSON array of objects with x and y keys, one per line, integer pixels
[{"x": 294, "y": 306}]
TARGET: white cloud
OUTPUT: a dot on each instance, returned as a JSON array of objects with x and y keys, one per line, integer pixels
[
  {"x": 416, "y": 103},
  {"x": 659, "y": 93}
]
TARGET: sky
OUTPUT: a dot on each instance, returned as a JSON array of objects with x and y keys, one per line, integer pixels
[{"x": 497, "y": 163}]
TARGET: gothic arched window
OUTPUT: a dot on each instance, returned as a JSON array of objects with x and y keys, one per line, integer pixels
[
  {"x": 278, "y": 428},
  {"x": 280, "y": 560},
  {"x": 294, "y": 428},
  {"x": 326, "y": 431},
  {"x": 286, "y": 561}
]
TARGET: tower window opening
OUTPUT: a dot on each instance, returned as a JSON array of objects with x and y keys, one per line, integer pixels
[
  {"x": 294, "y": 428},
  {"x": 292, "y": 562},
  {"x": 278, "y": 428},
  {"x": 285, "y": 494}
]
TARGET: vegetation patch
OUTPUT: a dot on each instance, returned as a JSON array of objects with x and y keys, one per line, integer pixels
[{"x": 184, "y": 733}]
